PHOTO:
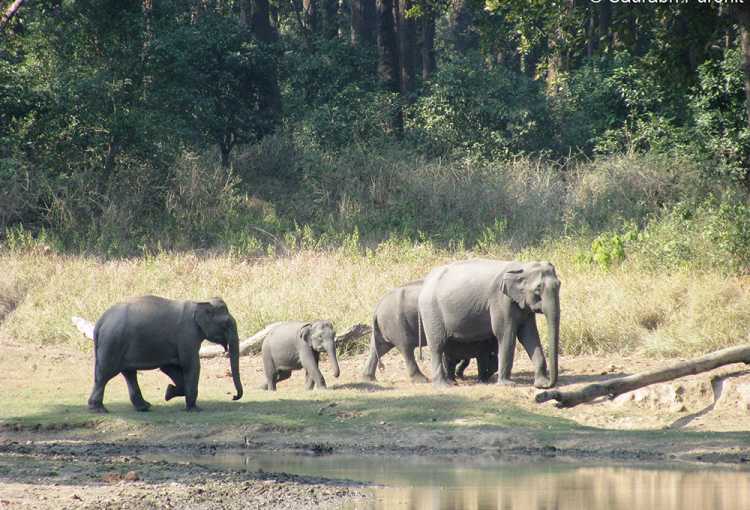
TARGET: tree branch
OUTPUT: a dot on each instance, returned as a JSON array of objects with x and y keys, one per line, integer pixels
[{"x": 10, "y": 12}]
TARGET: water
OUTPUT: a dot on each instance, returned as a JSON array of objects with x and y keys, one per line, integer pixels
[{"x": 416, "y": 483}]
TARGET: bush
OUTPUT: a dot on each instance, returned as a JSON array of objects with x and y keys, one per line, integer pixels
[
  {"x": 718, "y": 106},
  {"x": 470, "y": 109}
]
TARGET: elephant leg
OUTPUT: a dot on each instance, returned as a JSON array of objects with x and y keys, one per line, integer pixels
[
  {"x": 177, "y": 389},
  {"x": 483, "y": 366},
  {"x": 506, "y": 347},
  {"x": 131, "y": 377},
  {"x": 461, "y": 367},
  {"x": 191, "y": 374},
  {"x": 309, "y": 362},
  {"x": 378, "y": 348},
  {"x": 412, "y": 368},
  {"x": 101, "y": 378},
  {"x": 528, "y": 335},
  {"x": 450, "y": 367},
  {"x": 309, "y": 383},
  {"x": 436, "y": 339},
  {"x": 270, "y": 370}
]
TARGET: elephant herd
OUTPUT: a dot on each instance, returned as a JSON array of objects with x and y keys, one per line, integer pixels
[{"x": 467, "y": 309}]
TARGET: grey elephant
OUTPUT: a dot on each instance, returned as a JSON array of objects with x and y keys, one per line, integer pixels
[
  {"x": 151, "y": 332},
  {"x": 395, "y": 323},
  {"x": 296, "y": 345},
  {"x": 469, "y": 300}
]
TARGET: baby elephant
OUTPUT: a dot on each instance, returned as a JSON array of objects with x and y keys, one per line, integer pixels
[{"x": 295, "y": 345}]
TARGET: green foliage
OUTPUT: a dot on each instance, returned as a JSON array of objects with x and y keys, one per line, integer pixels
[
  {"x": 215, "y": 79},
  {"x": 718, "y": 104},
  {"x": 469, "y": 108}
]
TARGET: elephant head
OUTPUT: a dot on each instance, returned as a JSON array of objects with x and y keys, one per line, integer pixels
[
  {"x": 321, "y": 337},
  {"x": 534, "y": 286},
  {"x": 218, "y": 326}
]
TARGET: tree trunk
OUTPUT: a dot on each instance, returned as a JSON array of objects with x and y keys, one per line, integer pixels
[
  {"x": 310, "y": 17},
  {"x": 388, "y": 58},
  {"x": 622, "y": 385},
  {"x": 428, "y": 44},
  {"x": 330, "y": 19},
  {"x": 364, "y": 22},
  {"x": 742, "y": 14},
  {"x": 408, "y": 43},
  {"x": 260, "y": 22},
  {"x": 604, "y": 30},
  {"x": 460, "y": 21}
]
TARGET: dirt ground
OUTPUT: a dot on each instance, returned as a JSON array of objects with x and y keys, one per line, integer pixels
[{"x": 54, "y": 454}]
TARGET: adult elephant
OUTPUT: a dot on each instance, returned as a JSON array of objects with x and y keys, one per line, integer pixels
[
  {"x": 470, "y": 300},
  {"x": 395, "y": 323},
  {"x": 151, "y": 332}
]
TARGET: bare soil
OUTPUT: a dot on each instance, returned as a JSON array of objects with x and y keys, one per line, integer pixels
[{"x": 53, "y": 454}]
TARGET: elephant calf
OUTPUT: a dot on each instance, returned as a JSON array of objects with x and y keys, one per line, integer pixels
[
  {"x": 458, "y": 356},
  {"x": 150, "y": 332},
  {"x": 295, "y": 345}
]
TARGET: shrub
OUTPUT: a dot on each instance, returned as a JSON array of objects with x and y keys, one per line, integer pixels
[{"x": 468, "y": 108}]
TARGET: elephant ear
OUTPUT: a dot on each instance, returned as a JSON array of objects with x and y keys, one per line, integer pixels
[
  {"x": 512, "y": 285},
  {"x": 304, "y": 333},
  {"x": 203, "y": 316}
]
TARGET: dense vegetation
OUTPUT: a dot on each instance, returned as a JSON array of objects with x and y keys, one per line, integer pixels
[
  {"x": 133, "y": 126},
  {"x": 612, "y": 139}
]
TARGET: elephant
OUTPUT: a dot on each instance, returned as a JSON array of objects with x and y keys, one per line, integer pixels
[
  {"x": 475, "y": 299},
  {"x": 458, "y": 356},
  {"x": 395, "y": 323},
  {"x": 151, "y": 332},
  {"x": 294, "y": 345}
]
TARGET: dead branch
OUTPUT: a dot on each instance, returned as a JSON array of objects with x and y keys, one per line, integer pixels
[
  {"x": 615, "y": 387},
  {"x": 10, "y": 12},
  {"x": 249, "y": 347},
  {"x": 252, "y": 345}
]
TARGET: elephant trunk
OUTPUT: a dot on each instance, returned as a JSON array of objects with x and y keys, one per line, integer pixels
[
  {"x": 331, "y": 350},
  {"x": 551, "y": 310},
  {"x": 233, "y": 342}
]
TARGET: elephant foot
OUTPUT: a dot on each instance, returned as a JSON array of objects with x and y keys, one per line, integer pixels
[
  {"x": 442, "y": 383},
  {"x": 505, "y": 382},
  {"x": 263, "y": 386},
  {"x": 194, "y": 409},
  {"x": 418, "y": 378},
  {"x": 542, "y": 383},
  {"x": 142, "y": 407},
  {"x": 368, "y": 378},
  {"x": 99, "y": 409}
]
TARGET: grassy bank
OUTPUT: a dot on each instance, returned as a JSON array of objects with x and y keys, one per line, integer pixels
[{"x": 621, "y": 309}]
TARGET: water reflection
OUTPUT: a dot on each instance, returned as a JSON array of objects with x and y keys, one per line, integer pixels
[
  {"x": 598, "y": 488},
  {"x": 430, "y": 483}
]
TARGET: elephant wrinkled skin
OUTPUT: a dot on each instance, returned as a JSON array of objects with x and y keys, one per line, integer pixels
[
  {"x": 395, "y": 323},
  {"x": 475, "y": 299},
  {"x": 151, "y": 332},
  {"x": 295, "y": 345}
]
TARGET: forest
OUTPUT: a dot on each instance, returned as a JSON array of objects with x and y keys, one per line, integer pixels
[{"x": 260, "y": 127}]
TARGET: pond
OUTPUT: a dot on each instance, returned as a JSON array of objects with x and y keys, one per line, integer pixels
[{"x": 437, "y": 483}]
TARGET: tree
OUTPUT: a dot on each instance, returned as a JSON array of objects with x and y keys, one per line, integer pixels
[
  {"x": 389, "y": 69},
  {"x": 364, "y": 23},
  {"x": 218, "y": 80}
]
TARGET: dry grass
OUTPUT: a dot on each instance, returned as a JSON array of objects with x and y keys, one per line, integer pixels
[{"x": 623, "y": 310}]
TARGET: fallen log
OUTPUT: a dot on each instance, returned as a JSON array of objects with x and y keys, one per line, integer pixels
[
  {"x": 615, "y": 387},
  {"x": 250, "y": 346}
]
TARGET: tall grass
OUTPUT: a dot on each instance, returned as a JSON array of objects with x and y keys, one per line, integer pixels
[{"x": 622, "y": 310}]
